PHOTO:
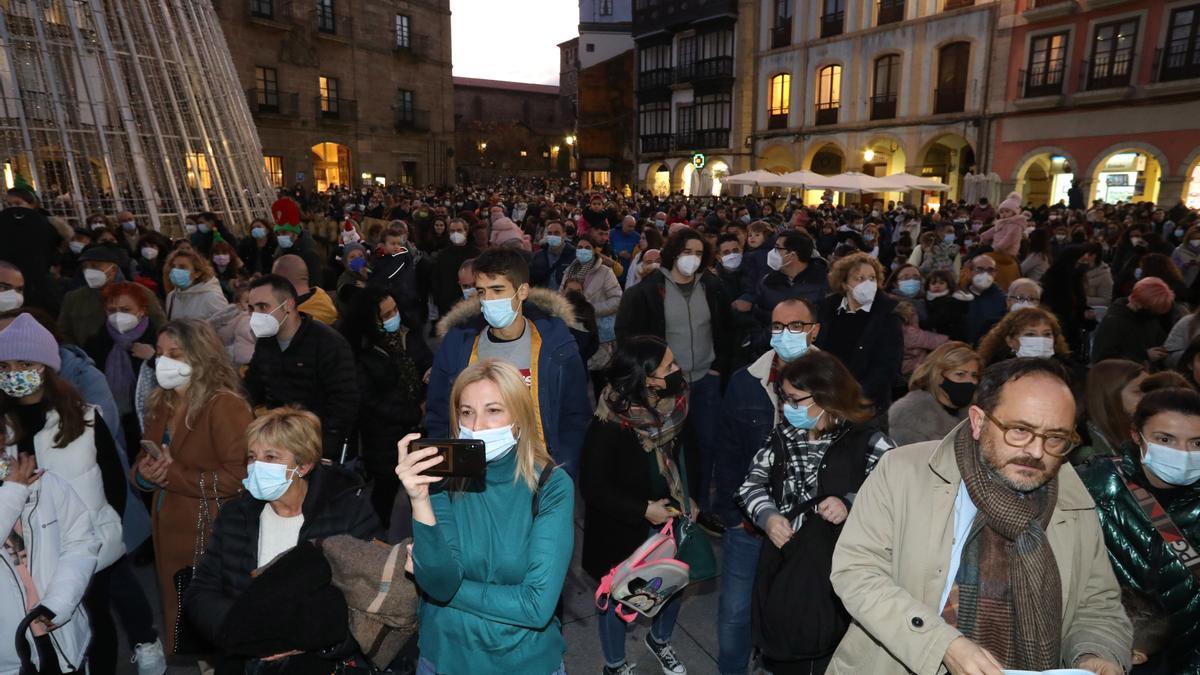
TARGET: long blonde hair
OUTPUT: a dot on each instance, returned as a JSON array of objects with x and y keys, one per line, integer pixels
[
  {"x": 212, "y": 372},
  {"x": 532, "y": 455}
]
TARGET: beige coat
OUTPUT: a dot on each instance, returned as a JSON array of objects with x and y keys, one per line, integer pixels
[{"x": 890, "y": 567}]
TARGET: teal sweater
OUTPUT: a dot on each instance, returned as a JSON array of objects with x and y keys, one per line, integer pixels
[{"x": 491, "y": 577}]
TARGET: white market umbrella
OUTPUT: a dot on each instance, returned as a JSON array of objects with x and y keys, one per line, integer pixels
[
  {"x": 756, "y": 177},
  {"x": 855, "y": 182},
  {"x": 797, "y": 179},
  {"x": 907, "y": 180}
]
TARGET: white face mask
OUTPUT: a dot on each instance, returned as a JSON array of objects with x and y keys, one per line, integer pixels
[
  {"x": 458, "y": 238},
  {"x": 123, "y": 321},
  {"x": 731, "y": 261},
  {"x": 1021, "y": 304},
  {"x": 149, "y": 252},
  {"x": 1173, "y": 466},
  {"x": 10, "y": 299},
  {"x": 1036, "y": 347},
  {"x": 95, "y": 278},
  {"x": 982, "y": 281},
  {"x": 171, "y": 374},
  {"x": 774, "y": 259},
  {"x": 934, "y": 295},
  {"x": 864, "y": 292},
  {"x": 687, "y": 264},
  {"x": 264, "y": 324}
]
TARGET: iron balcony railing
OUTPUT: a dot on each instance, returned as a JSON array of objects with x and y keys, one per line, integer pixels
[
  {"x": 890, "y": 11},
  {"x": 1044, "y": 81},
  {"x": 833, "y": 24},
  {"x": 659, "y": 78},
  {"x": 883, "y": 107},
  {"x": 336, "y": 109},
  {"x": 408, "y": 119},
  {"x": 949, "y": 100},
  {"x": 273, "y": 102},
  {"x": 827, "y": 113},
  {"x": 781, "y": 35}
]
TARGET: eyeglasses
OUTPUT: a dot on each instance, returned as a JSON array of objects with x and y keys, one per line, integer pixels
[
  {"x": 1024, "y": 298},
  {"x": 793, "y": 327},
  {"x": 1021, "y": 436}
]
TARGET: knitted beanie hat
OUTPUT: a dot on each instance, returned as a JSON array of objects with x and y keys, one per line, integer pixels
[
  {"x": 26, "y": 340},
  {"x": 1012, "y": 202}
]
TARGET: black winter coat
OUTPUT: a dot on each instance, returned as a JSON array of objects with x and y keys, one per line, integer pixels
[
  {"x": 444, "y": 278},
  {"x": 872, "y": 356},
  {"x": 337, "y": 503},
  {"x": 391, "y": 401},
  {"x": 615, "y": 481},
  {"x": 642, "y": 312},
  {"x": 30, "y": 243},
  {"x": 316, "y": 372}
]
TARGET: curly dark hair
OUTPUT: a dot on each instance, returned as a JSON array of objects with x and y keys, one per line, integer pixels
[{"x": 676, "y": 243}]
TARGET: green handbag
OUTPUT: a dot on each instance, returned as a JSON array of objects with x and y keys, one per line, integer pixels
[{"x": 693, "y": 546}]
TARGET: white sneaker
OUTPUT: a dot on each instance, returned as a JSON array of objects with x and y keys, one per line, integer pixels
[{"x": 149, "y": 658}]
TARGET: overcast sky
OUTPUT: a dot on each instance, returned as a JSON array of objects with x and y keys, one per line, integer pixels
[{"x": 513, "y": 40}]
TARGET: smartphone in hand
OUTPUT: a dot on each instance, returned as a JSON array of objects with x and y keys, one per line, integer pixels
[{"x": 461, "y": 458}]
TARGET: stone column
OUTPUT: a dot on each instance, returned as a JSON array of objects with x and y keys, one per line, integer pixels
[{"x": 1170, "y": 190}]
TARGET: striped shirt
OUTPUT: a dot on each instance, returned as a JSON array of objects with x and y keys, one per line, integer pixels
[{"x": 800, "y": 481}]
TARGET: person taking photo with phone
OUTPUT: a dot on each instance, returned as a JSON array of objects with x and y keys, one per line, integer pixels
[{"x": 490, "y": 554}]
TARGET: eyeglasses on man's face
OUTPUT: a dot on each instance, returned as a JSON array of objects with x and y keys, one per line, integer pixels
[
  {"x": 1018, "y": 435},
  {"x": 793, "y": 327}
]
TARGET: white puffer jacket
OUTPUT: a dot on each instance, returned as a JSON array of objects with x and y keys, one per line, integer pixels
[
  {"x": 62, "y": 546},
  {"x": 76, "y": 464}
]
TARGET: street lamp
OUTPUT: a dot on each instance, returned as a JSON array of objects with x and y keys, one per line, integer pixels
[
  {"x": 570, "y": 140},
  {"x": 868, "y": 154}
]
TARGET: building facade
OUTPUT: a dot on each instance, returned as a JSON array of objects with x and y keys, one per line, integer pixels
[
  {"x": 346, "y": 91},
  {"x": 1103, "y": 92},
  {"x": 508, "y": 129},
  {"x": 874, "y": 86},
  {"x": 605, "y": 30},
  {"x": 694, "y": 63}
]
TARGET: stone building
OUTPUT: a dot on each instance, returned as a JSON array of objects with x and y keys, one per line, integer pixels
[
  {"x": 346, "y": 91},
  {"x": 508, "y": 129}
]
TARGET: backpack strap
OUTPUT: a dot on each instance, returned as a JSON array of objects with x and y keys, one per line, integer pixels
[
  {"x": 547, "y": 471},
  {"x": 1170, "y": 533}
]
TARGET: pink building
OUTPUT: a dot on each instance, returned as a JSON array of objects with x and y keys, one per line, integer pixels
[{"x": 1105, "y": 92}]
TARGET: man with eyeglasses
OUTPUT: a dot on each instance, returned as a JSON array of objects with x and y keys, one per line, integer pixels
[
  {"x": 794, "y": 273},
  {"x": 749, "y": 413},
  {"x": 982, "y": 552},
  {"x": 989, "y": 304}
]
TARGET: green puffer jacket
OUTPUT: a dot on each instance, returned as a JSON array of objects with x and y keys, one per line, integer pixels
[{"x": 1140, "y": 558}]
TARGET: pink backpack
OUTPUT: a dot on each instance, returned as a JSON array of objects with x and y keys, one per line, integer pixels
[{"x": 644, "y": 581}]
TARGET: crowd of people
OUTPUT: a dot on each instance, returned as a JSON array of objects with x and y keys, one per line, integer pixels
[{"x": 966, "y": 437}]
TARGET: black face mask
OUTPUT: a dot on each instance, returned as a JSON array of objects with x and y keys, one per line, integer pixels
[
  {"x": 959, "y": 393},
  {"x": 675, "y": 385}
]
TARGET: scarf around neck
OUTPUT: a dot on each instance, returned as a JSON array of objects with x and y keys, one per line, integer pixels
[
  {"x": 1009, "y": 589},
  {"x": 656, "y": 429},
  {"x": 578, "y": 270},
  {"x": 118, "y": 365}
]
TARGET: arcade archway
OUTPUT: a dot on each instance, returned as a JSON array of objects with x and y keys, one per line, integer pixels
[
  {"x": 1045, "y": 178},
  {"x": 1127, "y": 175},
  {"x": 946, "y": 159}
]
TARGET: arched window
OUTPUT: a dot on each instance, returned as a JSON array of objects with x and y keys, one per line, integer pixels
[
  {"x": 886, "y": 87},
  {"x": 953, "y": 63},
  {"x": 829, "y": 94},
  {"x": 779, "y": 96}
]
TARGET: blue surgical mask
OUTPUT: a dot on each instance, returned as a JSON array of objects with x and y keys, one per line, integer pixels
[
  {"x": 258, "y": 232},
  {"x": 1137, "y": 273},
  {"x": 789, "y": 346},
  {"x": 284, "y": 240},
  {"x": 1177, "y": 467},
  {"x": 267, "y": 481},
  {"x": 499, "y": 313},
  {"x": 497, "y": 442},
  {"x": 181, "y": 278},
  {"x": 797, "y": 416},
  {"x": 392, "y": 324},
  {"x": 468, "y": 293},
  {"x": 948, "y": 238},
  {"x": 553, "y": 240},
  {"x": 357, "y": 264},
  {"x": 584, "y": 255},
  {"x": 909, "y": 287}
]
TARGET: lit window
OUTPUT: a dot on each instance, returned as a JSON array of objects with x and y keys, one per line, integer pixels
[
  {"x": 197, "y": 171},
  {"x": 274, "y": 167},
  {"x": 403, "y": 37},
  {"x": 780, "y": 95},
  {"x": 829, "y": 94}
]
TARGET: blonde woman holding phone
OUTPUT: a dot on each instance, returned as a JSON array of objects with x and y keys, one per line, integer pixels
[{"x": 490, "y": 555}]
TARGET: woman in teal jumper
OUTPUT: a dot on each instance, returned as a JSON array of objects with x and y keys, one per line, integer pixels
[{"x": 490, "y": 570}]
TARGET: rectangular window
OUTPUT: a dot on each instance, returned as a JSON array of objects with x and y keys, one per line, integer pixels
[
  {"x": 1112, "y": 54},
  {"x": 1181, "y": 54},
  {"x": 685, "y": 119},
  {"x": 403, "y": 36},
  {"x": 263, "y": 9},
  {"x": 274, "y": 169},
  {"x": 833, "y": 17},
  {"x": 329, "y": 95},
  {"x": 266, "y": 85},
  {"x": 405, "y": 112},
  {"x": 654, "y": 126},
  {"x": 829, "y": 94},
  {"x": 716, "y": 45},
  {"x": 606, "y": 7},
  {"x": 198, "y": 176},
  {"x": 781, "y": 31},
  {"x": 654, "y": 57},
  {"x": 712, "y": 112},
  {"x": 887, "y": 84},
  {"x": 687, "y": 50},
  {"x": 326, "y": 20},
  {"x": 1047, "y": 63}
]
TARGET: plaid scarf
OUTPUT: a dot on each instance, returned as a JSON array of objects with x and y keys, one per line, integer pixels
[
  {"x": 657, "y": 429},
  {"x": 578, "y": 270},
  {"x": 1008, "y": 595}
]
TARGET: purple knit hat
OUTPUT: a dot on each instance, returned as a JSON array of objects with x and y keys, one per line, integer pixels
[{"x": 26, "y": 340}]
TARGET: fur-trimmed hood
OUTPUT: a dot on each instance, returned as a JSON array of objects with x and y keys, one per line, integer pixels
[{"x": 542, "y": 301}]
